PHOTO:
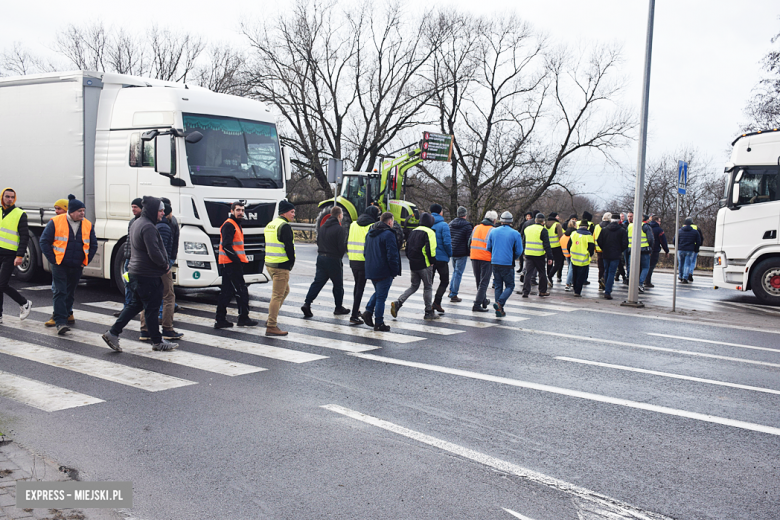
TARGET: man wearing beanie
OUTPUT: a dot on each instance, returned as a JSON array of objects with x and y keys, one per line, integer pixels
[
  {"x": 606, "y": 218},
  {"x": 148, "y": 263},
  {"x": 646, "y": 248},
  {"x": 505, "y": 245},
  {"x": 421, "y": 252},
  {"x": 279, "y": 261},
  {"x": 582, "y": 248},
  {"x": 61, "y": 207},
  {"x": 136, "y": 206},
  {"x": 68, "y": 242},
  {"x": 460, "y": 231},
  {"x": 13, "y": 244},
  {"x": 356, "y": 252},
  {"x": 612, "y": 241},
  {"x": 331, "y": 246},
  {"x": 441, "y": 264}
]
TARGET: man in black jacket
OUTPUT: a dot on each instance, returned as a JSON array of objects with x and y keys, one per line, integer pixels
[
  {"x": 232, "y": 259},
  {"x": 13, "y": 244},
  {"x": 331, "y": 246},
  {"x": 612, "y": 240},
  {"x": 460, "y": 231},
  {"x": 421, "y": 252},
  {"x": 659, "y": 241},
  {"x": 356, "y": 246},
  {"x": 148, "y": 263}
]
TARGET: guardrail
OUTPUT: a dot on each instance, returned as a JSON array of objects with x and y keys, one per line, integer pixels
[
  {"x": 301, "y": 226},
  {"x": 708, "y": 252}
]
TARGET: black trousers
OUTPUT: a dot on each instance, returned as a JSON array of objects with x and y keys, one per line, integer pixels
[
  {"x": 443, "y": 269},
  {"x": 557, "y": 266},
  {"x": 328, "y": 268},
  {"x": 147, "y": 296},
  {"x": 233, "y": 284},
  {"x": 357, "y": 292},
  {"x": 580, "y": 277},
  {"x": 534, "y": 264},
  {"x": 6, "y": 270}
]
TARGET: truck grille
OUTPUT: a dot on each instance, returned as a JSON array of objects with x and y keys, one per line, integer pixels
[{"x": 257, "y": 215}]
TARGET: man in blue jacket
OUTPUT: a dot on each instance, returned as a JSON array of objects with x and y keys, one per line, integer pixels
[
  {"x": 460, "y": 232},
  {"x": 443, "y": 254},
  {"x": 505, "y": 246},
  {"x": 383, "y": 263}
]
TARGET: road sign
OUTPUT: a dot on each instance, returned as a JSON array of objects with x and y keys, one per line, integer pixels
[
  {"x": 335, "y": 170},
  {"x": 682, "y": 177},
  {"x": 436, "y": 147}
]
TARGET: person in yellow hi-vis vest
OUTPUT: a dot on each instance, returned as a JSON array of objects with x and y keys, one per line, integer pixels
[
  {"x": 13, "y": 244},
  {"x": 421, "y": 252},
  {"x": 356, "y": 248},
  {"x": 582, "y": 247},
  {"x": 279, "y": 261}
]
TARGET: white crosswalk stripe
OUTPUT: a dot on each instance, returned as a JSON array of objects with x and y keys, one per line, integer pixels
[
  {"x": 42, "y": 396},
  {"x": 122, "y": 374}
]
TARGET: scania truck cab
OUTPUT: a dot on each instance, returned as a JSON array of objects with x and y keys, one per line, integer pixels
[{"x": 747, "y": 247}]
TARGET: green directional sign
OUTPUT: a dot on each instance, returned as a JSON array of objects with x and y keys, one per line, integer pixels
[{"x": 436, "y": 147}]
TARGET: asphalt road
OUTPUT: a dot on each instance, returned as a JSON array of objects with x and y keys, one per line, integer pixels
[{"x": 566, "y": 409}]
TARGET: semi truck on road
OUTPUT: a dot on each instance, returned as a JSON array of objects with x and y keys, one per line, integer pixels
[
  {"x": 747, "y": 246},
  {"x": 109, "y": 138}
]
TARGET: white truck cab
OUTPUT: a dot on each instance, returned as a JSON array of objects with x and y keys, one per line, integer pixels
[{"x": 747, "y": 247}]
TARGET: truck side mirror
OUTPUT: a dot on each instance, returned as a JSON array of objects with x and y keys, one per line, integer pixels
[
  {"x": 286, "y": 164},
  {"x": 735, "y": 194},
  {"x": 162, "y": 154},
  {"x": 193, "y": 137}
]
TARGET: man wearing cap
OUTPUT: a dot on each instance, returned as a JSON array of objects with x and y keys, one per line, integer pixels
[
  {"x": 460, "y": 231},
  {"x": 506, "y": 245},
  {"x": 421, "y": 252},
  {"x": 148, "y": 263},
  {"x": 554, "y": 233},
  {"x": 61, "y": 207},
  {"x": 279, "y": 261},
  {"x": 480, "y": 259},
  {"x": 582, "y": 248},
  {"x": 68, "y": 242},
  {"x": 538, "y": 255},
  {"x": 331, "y": 246},
  {"x": 441, "y": 264},
  {"x": 13, "y": 244},
  {"x": 356, "y": 249},
  {"x": 689, "y": 242}
]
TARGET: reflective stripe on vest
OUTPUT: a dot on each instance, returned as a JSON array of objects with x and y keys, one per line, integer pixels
[
  {"x": 579, "y": 249},
  {"x": 553, "y": 236},
  {"x": 356, "y": 242},
  {"x": 644, "y": 242},
  {"x": 274, "y": 249},
  {"x": 533, "y": 240},
  {"x": 432, "y": 241},
  {"x": 238, "y": 245},
  {"x": 565, "y": 245},
  {"x": 9, "y": 229},
  {"x": 61, "y": 234},
  {"x": 479, "y": 243},
  {"x": 596, "y": 234}
]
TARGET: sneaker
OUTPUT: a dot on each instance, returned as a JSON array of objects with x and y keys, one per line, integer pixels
[
  {"x": 641, "y": 289},
  {"x": 223, "y": 324},
  {"x": 394, "y": 309},
  {"x": 559, "y": 280},
  {"x": 478, "y": 308},
  {"x": 307, "y": 311},
  {"x": 275, "y": 331},
  {"x": 356, "y": 320},
  {"x": 172, "y": 334},
  {"x": 71, "y": 319},
  {"x": 382, "y": 327},
  {"x": 51, "y": 322},
  {"x": 164, "y": 346},
  {"x": 247, "y": 323},
  {"x": 112, "y": 341},
  {"x": 607, "y": 296},
  {"x": 522, "y": 278},
  {"x": 437, "y": 308},
  {"x": 145, "y": 336},
  {"x": 455, "y": 299},
  {"x": 368, "y": 318},
  {"x": 587, "y": 282},
  {"x": 117, "y": 313},
  {"x": 24, "y": 310},
  {"x": 625, "y": 281},
  {"x": 544, "y": 294},
  {"x": 62, "y": 329},
  {"x": 567, "y": 288},
  {"x": 683, "y": 280},
  {"x": 340, "y": 311}
]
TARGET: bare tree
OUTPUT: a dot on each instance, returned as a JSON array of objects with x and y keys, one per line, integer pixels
[
  {"x": 764, "y": 107},
  {"x": 18, "y": 61},
  {"x": 173, "y": 55},
  {"x": 86, "y": 47},
  {"x": 224, "y": 71}
]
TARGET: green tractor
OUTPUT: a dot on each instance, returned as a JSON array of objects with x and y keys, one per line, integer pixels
[{"x": 387, "y": 189}]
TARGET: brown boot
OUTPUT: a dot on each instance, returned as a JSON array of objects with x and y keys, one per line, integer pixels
[
  {"x": 51, "y": 322},
  {"x": 437, "y": 308},
  {"x": 71, "y": 320},
  {"x": 275, "y": 331}
]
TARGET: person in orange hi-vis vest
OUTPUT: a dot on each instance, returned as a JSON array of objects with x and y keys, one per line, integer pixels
[
  {"x": 232, "y": 259},
  {"x": 68, "y": 242},
  {"x": 480, "y": 260}
]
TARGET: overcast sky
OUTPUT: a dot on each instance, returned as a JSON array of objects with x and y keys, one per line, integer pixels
[{"x": 706, "y": 54}]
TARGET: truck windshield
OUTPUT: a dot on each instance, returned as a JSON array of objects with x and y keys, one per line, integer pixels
[
  {"x": 233, "y": 152},
  {"x": 758, "y": 184}
]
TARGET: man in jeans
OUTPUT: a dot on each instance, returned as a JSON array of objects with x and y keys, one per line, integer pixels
[
  {"x": 279, "y": 261},
  {"x": 331, "y": 246},
  {"x": 383, "y": 263},
  {"x": 421, "y": 252},
  {"x": 13, "y": 244},
  {"x": 148, "y": 263},
  {"x": 69, "y": 243},
  {"x": 460, "y": 231},
  {"x": 612, "y": 240},
  {"x": 690, "y": 241},
  {"x": 506, "y": 245},
  {"x": 441, "y": 264}
]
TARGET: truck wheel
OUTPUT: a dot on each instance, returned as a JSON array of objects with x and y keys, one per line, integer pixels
[
  {"x": 765, "y": 281},
  {"x": 118, "y": 267},
  {"x": 29, "y": 268}
]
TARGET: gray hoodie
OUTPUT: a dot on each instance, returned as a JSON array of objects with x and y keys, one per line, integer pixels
[{"x": 148, "y": 256}]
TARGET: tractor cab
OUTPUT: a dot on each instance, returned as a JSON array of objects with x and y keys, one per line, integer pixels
[{"x": 360, "y": 189}]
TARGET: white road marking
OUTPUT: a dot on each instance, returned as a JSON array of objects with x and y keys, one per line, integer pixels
[
  {"x": 245, "y": 347},
  {"x": 578, "y": 394},
  {"x": 516, "y": 515},
  {"x": 713, "y": 342},
  {"x": 292, "y": 337},
  {"x": 667, "y": 374},
  {"x": 42, "y": 396},
  {"x": 576, "y": 339},
  {"x": 124, "y": 375},
  {"x": 178, "y": 357},
  {"x": 609, "y": 505},
  {"x": 37, "y": 288},
  {"x": 687, "y": 321}
]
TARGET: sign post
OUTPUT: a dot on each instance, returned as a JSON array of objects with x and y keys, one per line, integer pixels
[{"x": 682, "y": 186}]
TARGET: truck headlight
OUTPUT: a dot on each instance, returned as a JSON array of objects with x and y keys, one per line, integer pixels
[
  {"x": 196, "y": 248},
  {"x": 720, "y": 260}
]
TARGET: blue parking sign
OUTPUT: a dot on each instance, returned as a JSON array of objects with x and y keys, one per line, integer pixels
[{"x": 682, "y": 177}]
